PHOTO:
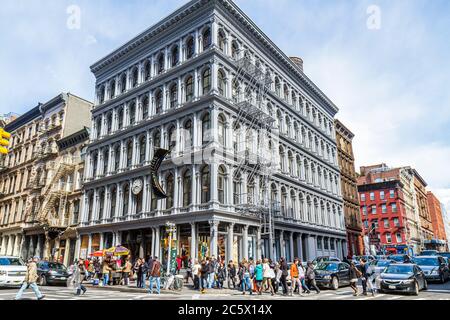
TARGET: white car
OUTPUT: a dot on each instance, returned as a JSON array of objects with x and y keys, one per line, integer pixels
[{"x": 12, "y": 271}]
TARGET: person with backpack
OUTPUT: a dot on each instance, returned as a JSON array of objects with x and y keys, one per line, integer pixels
[
  {"x": 311, "y": 277},
  {"x": 284, "y": 274},
  {"x": 232, "y": 272},
  {"x": 155, "y": 275}
]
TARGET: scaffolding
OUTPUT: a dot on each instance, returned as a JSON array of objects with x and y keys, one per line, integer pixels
[{"x": 253, "y": 120}]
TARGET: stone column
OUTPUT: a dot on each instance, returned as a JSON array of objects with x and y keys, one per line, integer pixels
[
  {"x": 153, "y": 243},
  {"x": 157, "y": 242},
  {"x": 282, "y": 245},
  {"x": 193, "y": 251},
  {"x": 66, "y": 252},
  {"x": 258, "y": 243},
  {"x": 291, "y": 245},
  {"x": 299, "y": 247},
  {"x": 102, "y": 240},
  {"x": 230, "y": 240},
  {"x": 245, "y": 241},
  {"x": 213, "y": 242}
]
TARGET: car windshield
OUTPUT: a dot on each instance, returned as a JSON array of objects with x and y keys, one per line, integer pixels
[
  {"x": 57, "y": 267},
  {"x": 429, "y": 253},
  {"x": 399, "y": 269},
  {"x": 11, "y": 262},
  {"x": 396, "y": 258},
  {"x": 327, "y": 266},
  {"x": 426, "y": 261},
  {"x": 382, "y": 263}
]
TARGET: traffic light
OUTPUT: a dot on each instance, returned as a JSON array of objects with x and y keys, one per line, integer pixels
[{"x": 4, "y": 141}]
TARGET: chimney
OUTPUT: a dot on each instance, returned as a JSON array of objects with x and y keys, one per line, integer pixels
[{"x": 298, "y": 62}]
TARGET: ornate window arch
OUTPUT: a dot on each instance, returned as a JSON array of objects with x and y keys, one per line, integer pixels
[
  {"x": 187, "y": 188},
  {"x": 206, "y": 81},
  {"x": 189, "y": 88},
  {"x": 205, "y": 184}
]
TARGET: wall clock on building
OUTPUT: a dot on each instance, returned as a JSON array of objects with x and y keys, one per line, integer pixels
[{"x": 137, "y": 186}]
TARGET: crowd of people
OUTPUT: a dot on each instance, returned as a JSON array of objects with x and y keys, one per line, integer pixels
[{"x": 248, "y": 276}]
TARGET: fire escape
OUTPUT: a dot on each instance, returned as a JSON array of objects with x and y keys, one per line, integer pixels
[{"x": 254, "y": 121}]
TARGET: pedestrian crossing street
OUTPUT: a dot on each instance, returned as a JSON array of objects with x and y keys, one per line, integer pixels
[{"x": 58, "y": 293}]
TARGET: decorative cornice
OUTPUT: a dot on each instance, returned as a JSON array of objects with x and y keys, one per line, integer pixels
[{"x": 240, "y": 16}]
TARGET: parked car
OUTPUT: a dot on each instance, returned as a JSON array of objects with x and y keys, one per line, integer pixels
[
  {"x": 331, "y": 274},
  {"x": 381, "y": 257},
  {"x": 12, "y": 271},
  {"x": 52, "y": 273},
  {"x": 400, "y": 258},
  {"x": 435, "y": 268},
  {"x": 377, "y": 266},
  {"x": 403, "y": 277},
  {"x": 368, "y": 258},
  {"x": 429, "y": 253},
  {"x": 319, "y": 260},
  {"x": 445, "y": 254}
]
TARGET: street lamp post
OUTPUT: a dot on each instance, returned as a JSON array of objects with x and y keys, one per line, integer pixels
[{"x": 170, "y": 228}]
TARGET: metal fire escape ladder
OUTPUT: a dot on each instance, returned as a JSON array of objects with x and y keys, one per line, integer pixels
[{"x": 251, "y": 113}]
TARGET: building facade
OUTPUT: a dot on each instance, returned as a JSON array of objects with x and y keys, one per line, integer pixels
[
  {"x": 349, "y": 189},
  {"x": 179, "y": 86},
  {"x": 439, "y": 240},
  {"x": 42, "y": 178}
]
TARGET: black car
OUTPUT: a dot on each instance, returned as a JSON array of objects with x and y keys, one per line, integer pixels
[
  {"x": 400, "y": 258},
  {"x": 429, "y": 253},
  {"x": 444, "y": 254},
  {"x": 52, "y": 273},
  {"x": 403, "y": 277},
  {"x": 435, "y": 268},
  {"x": 331, "y": 274}
]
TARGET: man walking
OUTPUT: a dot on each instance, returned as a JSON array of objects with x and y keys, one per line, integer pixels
[
  {"x": 155, "y": 275},
  {"x": 78, "y": 277},
  {"x": 311, "y": 277},
  {"x": 30, "y": 280}
]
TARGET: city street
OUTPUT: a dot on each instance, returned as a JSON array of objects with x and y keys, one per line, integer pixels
[{"x": 434, "y": 292}]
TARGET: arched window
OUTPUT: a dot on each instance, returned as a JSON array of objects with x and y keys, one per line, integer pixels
[
  {"x": 190, "y": 48},
  {"x": 142, "y": 149},
  {"x": 188, "y": 134},
  {"x": 175, "y": 56},
  {"x": 236, "y": 91},
  {"x": 277, "y": 86},
  {"x": 206, "y": 39},
  {"x": 126, "y": 199},
  {"x": 94, "y": 164},
  {"x": 160, "y": 63},
  {"x": 189, "y": 85},
  {"x": 99, "y": 127},
  {"x": 206, "y": 126},
  {"x": 187, "y": 189},
  {"x": 206, "y": 81},
  {"x": 105, "y": 161},
  {"x": 221, "y": 130},
  {"x": 221, "y": 184},
  {"x": 101, "y": 95},
  {"x": 109, "y": 120},
  {"x": 120, "y": 118},
  {"x": 91, "y": 204},
  {"x": 234, "y": 49},
  {"x": 116, "y": 157},
  {"x": 221, "y": 82},
  {"x": 147, "y": 70},
  {"x": 172, "y": 137},
  {"x": 158, "y": 102},
  {"x": 132, "y": 113},
  {"x": 170, "y": 191},
  {"x": 134, "y": 78},
  {"x": 129, "y": 153},
  {"x": 138, "y": 200},
  {"x": 221, "y": 39},
  {"x": 173, "y": 96},
  {"x": 157, "y": 140},
  {"x": 237, "y": 189},
  {"x": 112, "y": 89},
  {"x": 113, "y": 201},
  {"x": 145, "y": 106},
  {"x": 101, "y": 204},
  {"x": 286, "y": 92},
  {"x": 123, "y": 83},
  {"x": 205, "y": 185}
]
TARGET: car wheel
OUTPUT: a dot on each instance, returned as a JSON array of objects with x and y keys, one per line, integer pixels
[
  {"x": 43, "y": 281},
  {"x": 416, "y": 289},
  {"x": 442, "y": 278},
  {"x": 425, "y": 285},
  {"x": 335, "y": 283}
]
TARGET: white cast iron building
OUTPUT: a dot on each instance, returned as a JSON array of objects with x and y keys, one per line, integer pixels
[{"x": 178, "y": 83}]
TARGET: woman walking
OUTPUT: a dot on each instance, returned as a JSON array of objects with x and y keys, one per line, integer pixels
[
  {"x": 259, "y": 276},
  {"x": 268, "y": 275},
  {"x": 311, "y": 277},
  {"x": 353, "y": 273},
  {"x": 284, "y": 274}
]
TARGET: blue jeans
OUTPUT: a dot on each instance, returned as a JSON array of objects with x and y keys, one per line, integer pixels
[
  {"x": 203, "y": 283},
  {"x": 210, "y": 280},
  {"x": 246, "y": 284},
  {"x": 105, "y": 279},
  {"x": 158, "y": 285},
  {"x": 143, "y": 281},
  {"x": 24, "y": 286}
]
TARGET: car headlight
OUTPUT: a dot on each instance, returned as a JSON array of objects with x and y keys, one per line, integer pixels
[
  {"x": 434, "y": 271},
  {"x": 327, "y": 277},
  {"x": 53, "y": 273},
  {"x": 3, "y": 273},
  {"x": 409, "y": 281}
]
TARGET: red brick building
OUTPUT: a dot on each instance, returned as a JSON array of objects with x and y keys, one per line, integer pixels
[
  {"x": 383, "y": 213},
  {"x": 437, "y": 221}
]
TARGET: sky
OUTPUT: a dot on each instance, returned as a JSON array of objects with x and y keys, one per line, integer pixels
[{"x": 384, "y": 63}]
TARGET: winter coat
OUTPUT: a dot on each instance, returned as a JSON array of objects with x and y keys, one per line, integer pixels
[
  {"x": 259, "y": 272},
  {"x": 310, "y": 275},
  {"x": 106, "y": 268},
  {"x": 232, "y": 270},
  {"x": 31, "y": 276},
  {"x": 204, "y": 271},
  {"x": 294, "y": 271}
]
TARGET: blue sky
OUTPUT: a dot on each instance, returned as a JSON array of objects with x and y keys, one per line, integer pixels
[{"x": 391, "y": 84}]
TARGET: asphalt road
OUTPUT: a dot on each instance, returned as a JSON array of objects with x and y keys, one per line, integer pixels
[{"x": 434, "y": 292}]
